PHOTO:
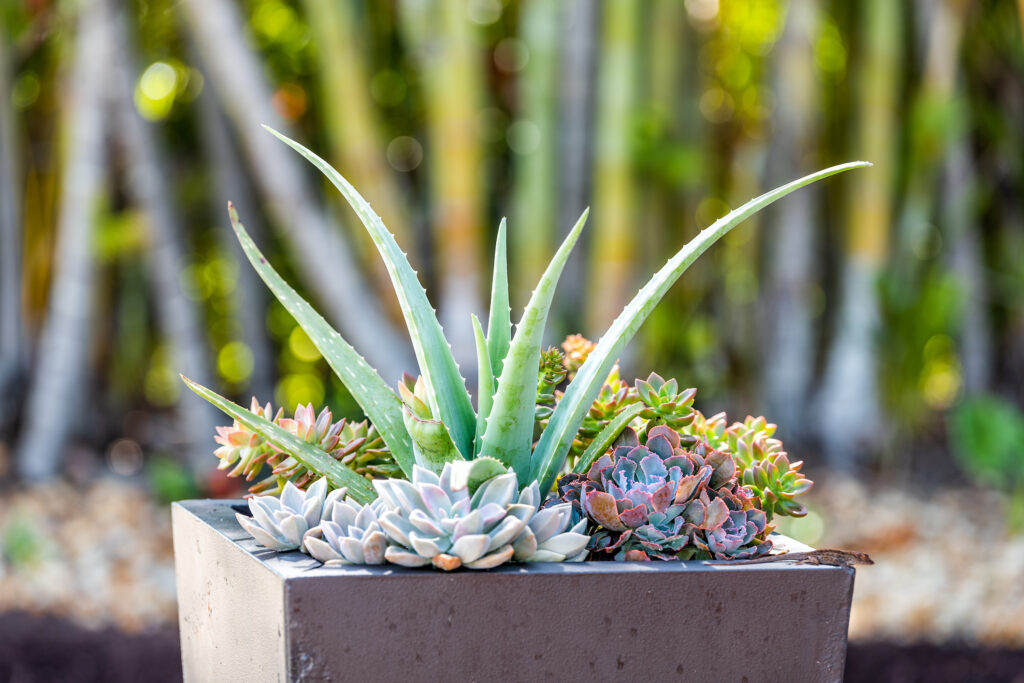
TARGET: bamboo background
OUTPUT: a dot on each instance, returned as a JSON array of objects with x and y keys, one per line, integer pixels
[{"x": 864, "y": 315}]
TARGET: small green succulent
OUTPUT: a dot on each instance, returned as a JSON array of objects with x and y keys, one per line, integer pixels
[{"x": 763, "y": 464}]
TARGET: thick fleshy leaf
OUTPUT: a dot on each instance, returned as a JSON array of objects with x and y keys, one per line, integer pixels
[
  {"x": 553, "y": 446},
  {"x": 471, "y": 547},
  {"x": 499, "y": 321},
  {"x": 485, "y": 385},
  {"x": 306, "y": 453},
  {"x": 602, "y": 509},
  {"x": 402, "y": 557},
  {"x": 566, "y": 544},
  {"x": 509, "y": 434},
  {"x": 492, "y": 560},
  {"x": 433, "y": 352},
  {"x": 372, "y": 393},
  {"x": 507, "y": 529}
]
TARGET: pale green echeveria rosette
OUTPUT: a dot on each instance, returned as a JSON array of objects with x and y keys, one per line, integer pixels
[
  {"x": 434, "y": 519},
  {"x": 348, "y": 533},
  {"x": 450, "y": 520},
  {"x": 279, "y": 523},
  {"x": 550, "y": 536}
]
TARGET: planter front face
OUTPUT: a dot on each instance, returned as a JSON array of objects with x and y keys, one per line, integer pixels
[{"x": 249, "y": 614}]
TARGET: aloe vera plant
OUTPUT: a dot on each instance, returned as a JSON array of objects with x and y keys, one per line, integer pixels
[{"x": 432, "y": 421}]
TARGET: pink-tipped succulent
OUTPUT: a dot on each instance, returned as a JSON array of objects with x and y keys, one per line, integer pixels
[
  {"x": 658, "y": 500},
  {"x": 357, "y": 445}
]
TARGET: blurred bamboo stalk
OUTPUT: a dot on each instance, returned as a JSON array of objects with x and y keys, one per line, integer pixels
[
  {"x": 967, "y": 263},
  {"x": 12, "y": 341},
  {"x": 575, "y": 126},
  {"x": 533, "y": 211},
  {"x": 933, "y": 115},
  {"x": 957, "y": 210},
  {"x": 789, "y": 236},
  {"x": 613, "y": 250},
  {"x": 325, "y": 261},
  {"x": 449, "y": 51},
  {"x": 249, "y": 295},
  {"x": 348, "y": 114},
  {"x": 59, "y": 383},
  {"x": 148, "y": 186},
  {"x": 851, "y": 422}
]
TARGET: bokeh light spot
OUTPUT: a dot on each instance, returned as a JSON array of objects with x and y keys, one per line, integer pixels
[
  {"x": 483, "y": 12},
  {"x": 235, "y": 362},
  {"x": 511, "y": 55},
  {"x": 405, "y": 153},
  {"x": 299, "y": 388},
  {"x": 523, "y": 136},
  {"x": 300, "y": 346},
  {"x": 155, "y": 91}
]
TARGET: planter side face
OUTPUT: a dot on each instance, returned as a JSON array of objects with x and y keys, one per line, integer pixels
[
  {"x": 229, "y": 605},
  {"x": 587, "y": 621}
]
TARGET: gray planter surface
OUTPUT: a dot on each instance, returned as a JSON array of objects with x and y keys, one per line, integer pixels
[{"x": 250, "y": 614}]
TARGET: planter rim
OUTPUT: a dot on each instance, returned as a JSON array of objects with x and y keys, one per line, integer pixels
[{"x": 219, "y": 514}]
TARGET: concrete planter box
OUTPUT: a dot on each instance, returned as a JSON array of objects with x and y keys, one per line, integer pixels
[{"x": 249, "y": 614}]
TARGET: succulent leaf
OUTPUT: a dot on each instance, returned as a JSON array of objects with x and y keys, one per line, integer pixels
[
  {"x": 499, "y": 322},
  {"x": 432, "y": 444},
  {"x": 372, "y": 393},
  {"x": 433, "y": 352},
  {"x": 485, "y": 386},
  {"x": 509, "y": 434}
]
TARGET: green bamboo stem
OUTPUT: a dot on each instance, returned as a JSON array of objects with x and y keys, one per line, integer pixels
[
  {"x": 613, "y": 250},
  {"x": 533, "y": 213}
]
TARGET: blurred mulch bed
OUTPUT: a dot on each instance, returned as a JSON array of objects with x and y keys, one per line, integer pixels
[{"x": 101, "y": 556}]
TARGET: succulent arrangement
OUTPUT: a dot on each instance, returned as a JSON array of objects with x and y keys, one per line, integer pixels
[{"x": 430, "y": 479}]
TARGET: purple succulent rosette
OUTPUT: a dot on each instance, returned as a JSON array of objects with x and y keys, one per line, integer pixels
[{"x": 659, "y": 501}]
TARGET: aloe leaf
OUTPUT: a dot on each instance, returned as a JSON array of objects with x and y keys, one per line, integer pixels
[
  {"x": 607, "y": 436},
  {"x": 485, "y": 385},
  {"x": 551, "y": 450},
  {"x": 499, "y": 323},
  {"x": 381, "y": 405},
  {"x": 433, "y": 352},
  {"x": 509, "y": 433},
  {"x": 306, "y": 453}
]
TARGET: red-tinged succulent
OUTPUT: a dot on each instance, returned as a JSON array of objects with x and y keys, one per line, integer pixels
[{"x": 658, "y": 500}]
